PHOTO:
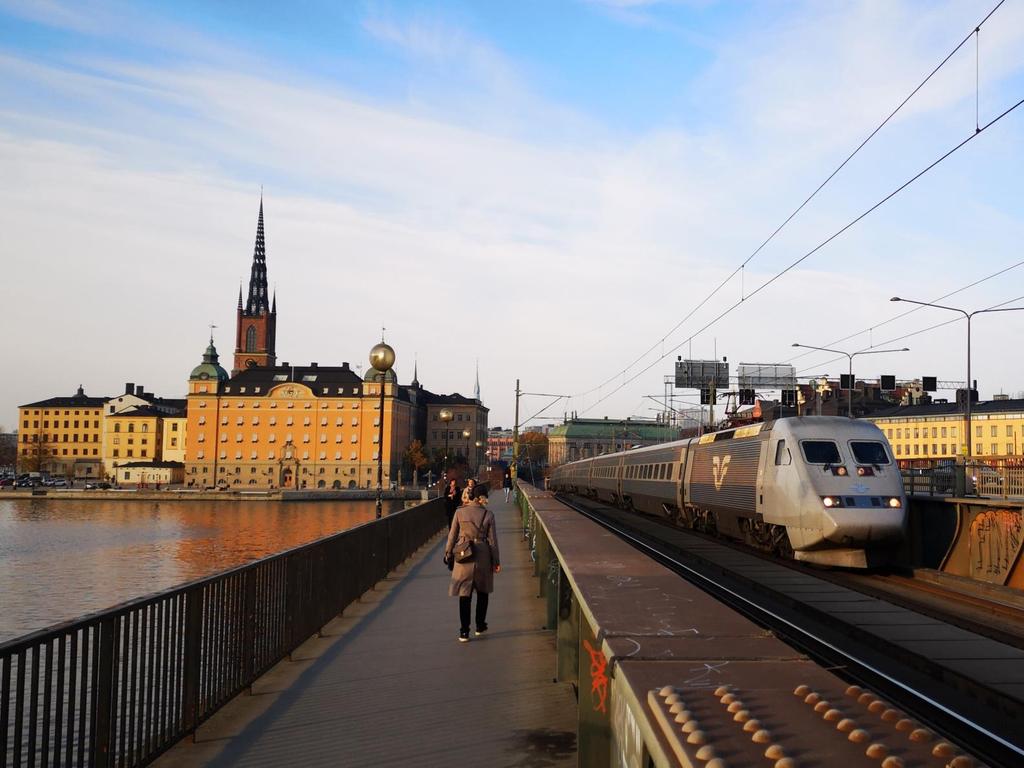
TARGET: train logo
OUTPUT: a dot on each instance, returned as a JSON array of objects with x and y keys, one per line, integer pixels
[{"x": 719, "y": 466}]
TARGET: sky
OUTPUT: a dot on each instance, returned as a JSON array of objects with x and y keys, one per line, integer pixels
[{"x": 551, "y": 190}]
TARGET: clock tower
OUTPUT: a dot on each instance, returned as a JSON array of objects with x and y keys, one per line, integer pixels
[{"x": 256, "y": 327}]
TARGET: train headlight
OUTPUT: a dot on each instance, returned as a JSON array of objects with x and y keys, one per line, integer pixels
[
  {"x": 865, "y": 471},
  {"x": 895, "y": 502},
  {"x": 831, "y": 501}
]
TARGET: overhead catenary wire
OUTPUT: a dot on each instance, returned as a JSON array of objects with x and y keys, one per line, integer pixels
[
  {"x": 973, "y": 33},
  {"x": 778, "y": 275}
]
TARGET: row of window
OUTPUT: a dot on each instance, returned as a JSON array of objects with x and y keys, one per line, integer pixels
[
  {"x": 286, "y": 456},
  {"x": 130, "y": 453},
  {"x": 458, "y": 417},
  {"x": 452, "y": 434},
  {"x": 919, "y": 432},
  {"x": 57, "y": 412},
  {"x": 63, "y": 452},
  {"x": 290, "y": 404},
  {"x": 272, "y": 421},
  {"x": 131, "y": 428},
  {"x": 78, "y": 424},
  {"x": 255, "y": 438},
  {"x": 62, "y": 438},
  {"x": 944, "y": 449}
]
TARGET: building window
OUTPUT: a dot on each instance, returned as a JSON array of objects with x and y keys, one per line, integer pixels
[
  {"x": 117, "y": 427},
  {"x": 250, "y": 339}
]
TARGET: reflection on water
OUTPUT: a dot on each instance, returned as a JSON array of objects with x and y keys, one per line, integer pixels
[{"x": 63, "y": 559}]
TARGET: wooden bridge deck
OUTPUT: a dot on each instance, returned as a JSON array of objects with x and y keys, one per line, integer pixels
[{"x": 389, "y": 684}]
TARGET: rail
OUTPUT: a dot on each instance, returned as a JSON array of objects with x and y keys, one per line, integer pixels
[{"x": 121, "y": 686}]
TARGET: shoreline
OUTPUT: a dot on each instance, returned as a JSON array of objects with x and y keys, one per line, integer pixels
[{"x": 184, "y": 494}]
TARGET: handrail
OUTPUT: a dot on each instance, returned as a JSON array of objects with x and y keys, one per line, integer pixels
[{"x": 120, "y": 686}]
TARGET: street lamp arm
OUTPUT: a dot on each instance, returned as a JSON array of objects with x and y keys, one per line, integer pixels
[
  {"x": 929, "y": 304},
  {"x": 1000, "y": 309},
  {"x": 824, "y": 349},
  {"x": 879, "y": 351}
]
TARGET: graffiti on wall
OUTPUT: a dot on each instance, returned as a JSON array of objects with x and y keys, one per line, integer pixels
[
  {"x": 598, "y": 678},
  {"x": 995, "y": 544}
]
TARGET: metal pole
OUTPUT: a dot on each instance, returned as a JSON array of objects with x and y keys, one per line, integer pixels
[
  {"x": 849, "y": 399},
  {"x": 380, "y": 450},
  {"x": 967, "y": 409},
  {"x": 515, "y": 439}
]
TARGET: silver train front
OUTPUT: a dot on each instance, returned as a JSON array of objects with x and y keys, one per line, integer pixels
[{"x": 818, "y": 488}]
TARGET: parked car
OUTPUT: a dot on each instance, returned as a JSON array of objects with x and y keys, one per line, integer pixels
[
  {"x": 985, "y": 479},
  {"x": 7, "y": 482},
  {"x": 100, "y": 486}
]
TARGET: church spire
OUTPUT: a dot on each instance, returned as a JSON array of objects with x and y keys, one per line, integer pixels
[
  {"x": 476, "y": 389},
  {"x": 258, "y": 298},
  {"x": 415, "y": 373}
]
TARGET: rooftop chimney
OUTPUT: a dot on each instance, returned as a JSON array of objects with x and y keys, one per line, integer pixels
[
  {"x": 129, "y": 387},
  {"x": 312, "y": 365},
  {"x": 139, "y": 390}
]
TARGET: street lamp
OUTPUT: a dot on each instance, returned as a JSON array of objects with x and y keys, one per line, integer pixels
[
  {"x": 850, "y": 356},
  {"x": 446, "y": 416},
  {"x": 382, "y": 357},
  {"x": 970, "y": 387},
  {"x": 476, "y": 456}
]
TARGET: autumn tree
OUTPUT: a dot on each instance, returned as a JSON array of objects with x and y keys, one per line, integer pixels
[
  {"x": 533, "y": 446},
  {"x": 415, "y": 457}
]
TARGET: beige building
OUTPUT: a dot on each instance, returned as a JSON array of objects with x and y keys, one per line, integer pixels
[
  {"x": 467, "y": 431},
  {"x": 585, "y": 438},
  {"x": 150, "y": 474}
]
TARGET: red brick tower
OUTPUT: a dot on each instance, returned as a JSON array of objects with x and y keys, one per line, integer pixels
[{"x": 256, "y": 328}]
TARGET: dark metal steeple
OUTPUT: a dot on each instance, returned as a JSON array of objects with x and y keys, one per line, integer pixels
[{"x": 258, "y": 302}]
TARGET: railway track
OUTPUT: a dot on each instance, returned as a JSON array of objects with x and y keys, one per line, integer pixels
[{"x": 910, "y": 657}]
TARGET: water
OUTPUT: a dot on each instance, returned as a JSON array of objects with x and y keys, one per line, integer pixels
[{"x": 63, "y": 559}]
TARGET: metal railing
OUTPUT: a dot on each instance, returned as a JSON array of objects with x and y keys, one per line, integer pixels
[
  {"x": 995, "y": 480},
  {"x": 119, "y": 687}
]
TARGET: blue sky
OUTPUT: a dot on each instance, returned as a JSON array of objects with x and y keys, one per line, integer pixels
[{"x": 548, "y": 186}]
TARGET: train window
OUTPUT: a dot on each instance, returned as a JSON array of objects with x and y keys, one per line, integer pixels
[
  {"x": 869, "y": 452},
  {"x": 782, "y": 454},
  {"x": 820, "y": 451}
]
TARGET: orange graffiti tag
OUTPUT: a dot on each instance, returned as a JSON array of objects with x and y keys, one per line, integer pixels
[{"x": 598, "y": 677}]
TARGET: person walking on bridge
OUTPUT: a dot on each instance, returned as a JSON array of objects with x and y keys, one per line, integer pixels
[
  {"x": 506, "y": 483},
  {"x": 474, "y": 527}
]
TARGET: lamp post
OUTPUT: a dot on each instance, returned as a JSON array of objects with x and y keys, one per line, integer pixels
[
  {"x": 382, "y": 357},
  {"x": 970, "y": 386},
  {"x": 446, "y": 417},
  {"x": 465, "y": 436},
  {"x": 476, "y": 456},
  {"x": 850, "y": 356}
]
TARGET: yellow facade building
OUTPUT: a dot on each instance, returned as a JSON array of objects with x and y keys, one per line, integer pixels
[
  {"x": 62, "y": 436},
  {"x": 293, "y": 427},
  {"x": 936, "y": 431}
]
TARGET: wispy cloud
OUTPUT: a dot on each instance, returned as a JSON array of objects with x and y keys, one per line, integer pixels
[{"x": 496, "y": 217}]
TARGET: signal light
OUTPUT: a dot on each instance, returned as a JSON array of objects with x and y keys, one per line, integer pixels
[
  {"x": 895, "y": 502},
  {"x": 832, "y": 501}
]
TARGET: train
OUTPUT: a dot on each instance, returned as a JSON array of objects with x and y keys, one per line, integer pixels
[{"x": 818, "y": 489}]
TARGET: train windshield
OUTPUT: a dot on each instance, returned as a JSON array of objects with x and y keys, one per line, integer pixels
[
  {"x": 820, "y": 452},
  {"x": 871, "y": 452}
]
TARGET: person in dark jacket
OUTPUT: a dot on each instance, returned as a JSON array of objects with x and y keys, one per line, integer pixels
[
  {"x": 473, "y": 524},
  {"x": 506, "y": 483},
  {"x": 452, "y": 500}
]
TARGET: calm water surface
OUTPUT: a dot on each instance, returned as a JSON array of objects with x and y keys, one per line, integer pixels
[{"x": 62, "y": 559}]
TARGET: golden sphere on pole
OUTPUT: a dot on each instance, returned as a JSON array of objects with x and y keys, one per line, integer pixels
[
  {"x": 382, "y": 357},
  {"x": 446, "y": 415}
]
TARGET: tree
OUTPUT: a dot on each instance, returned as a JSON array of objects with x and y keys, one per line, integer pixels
[
  {"x": 533, "y": 446},
  {"x": 415, "y": 458}
]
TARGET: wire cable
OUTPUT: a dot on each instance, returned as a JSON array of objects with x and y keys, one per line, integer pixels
[
  {"x": 706, "y": 299},
  {"x": 731, "y": 308}
]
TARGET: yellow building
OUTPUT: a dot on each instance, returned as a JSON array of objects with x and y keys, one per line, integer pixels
[
  {"x": 936, "y": 431},
  {"x": 292, "y": 426},
  {"x": 61, "y": 436},
  {"x": 130, "y": 436},
  {"x": 174, "y": 432}
]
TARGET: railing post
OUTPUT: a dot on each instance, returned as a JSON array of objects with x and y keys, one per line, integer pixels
[
  {"x": 104, "y": 701},
  {"x": 249, "y": 629},
  {"x": 193, "y": 651}
]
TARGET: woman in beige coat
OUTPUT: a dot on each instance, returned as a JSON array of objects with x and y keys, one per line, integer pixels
[{"x": 473, "y": 523}]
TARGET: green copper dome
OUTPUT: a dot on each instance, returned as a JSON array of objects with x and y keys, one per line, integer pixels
[{"x": 209, "y": 368}]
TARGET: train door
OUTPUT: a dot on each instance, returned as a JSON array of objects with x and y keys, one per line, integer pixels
[{"x": 781, "y": 493}]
